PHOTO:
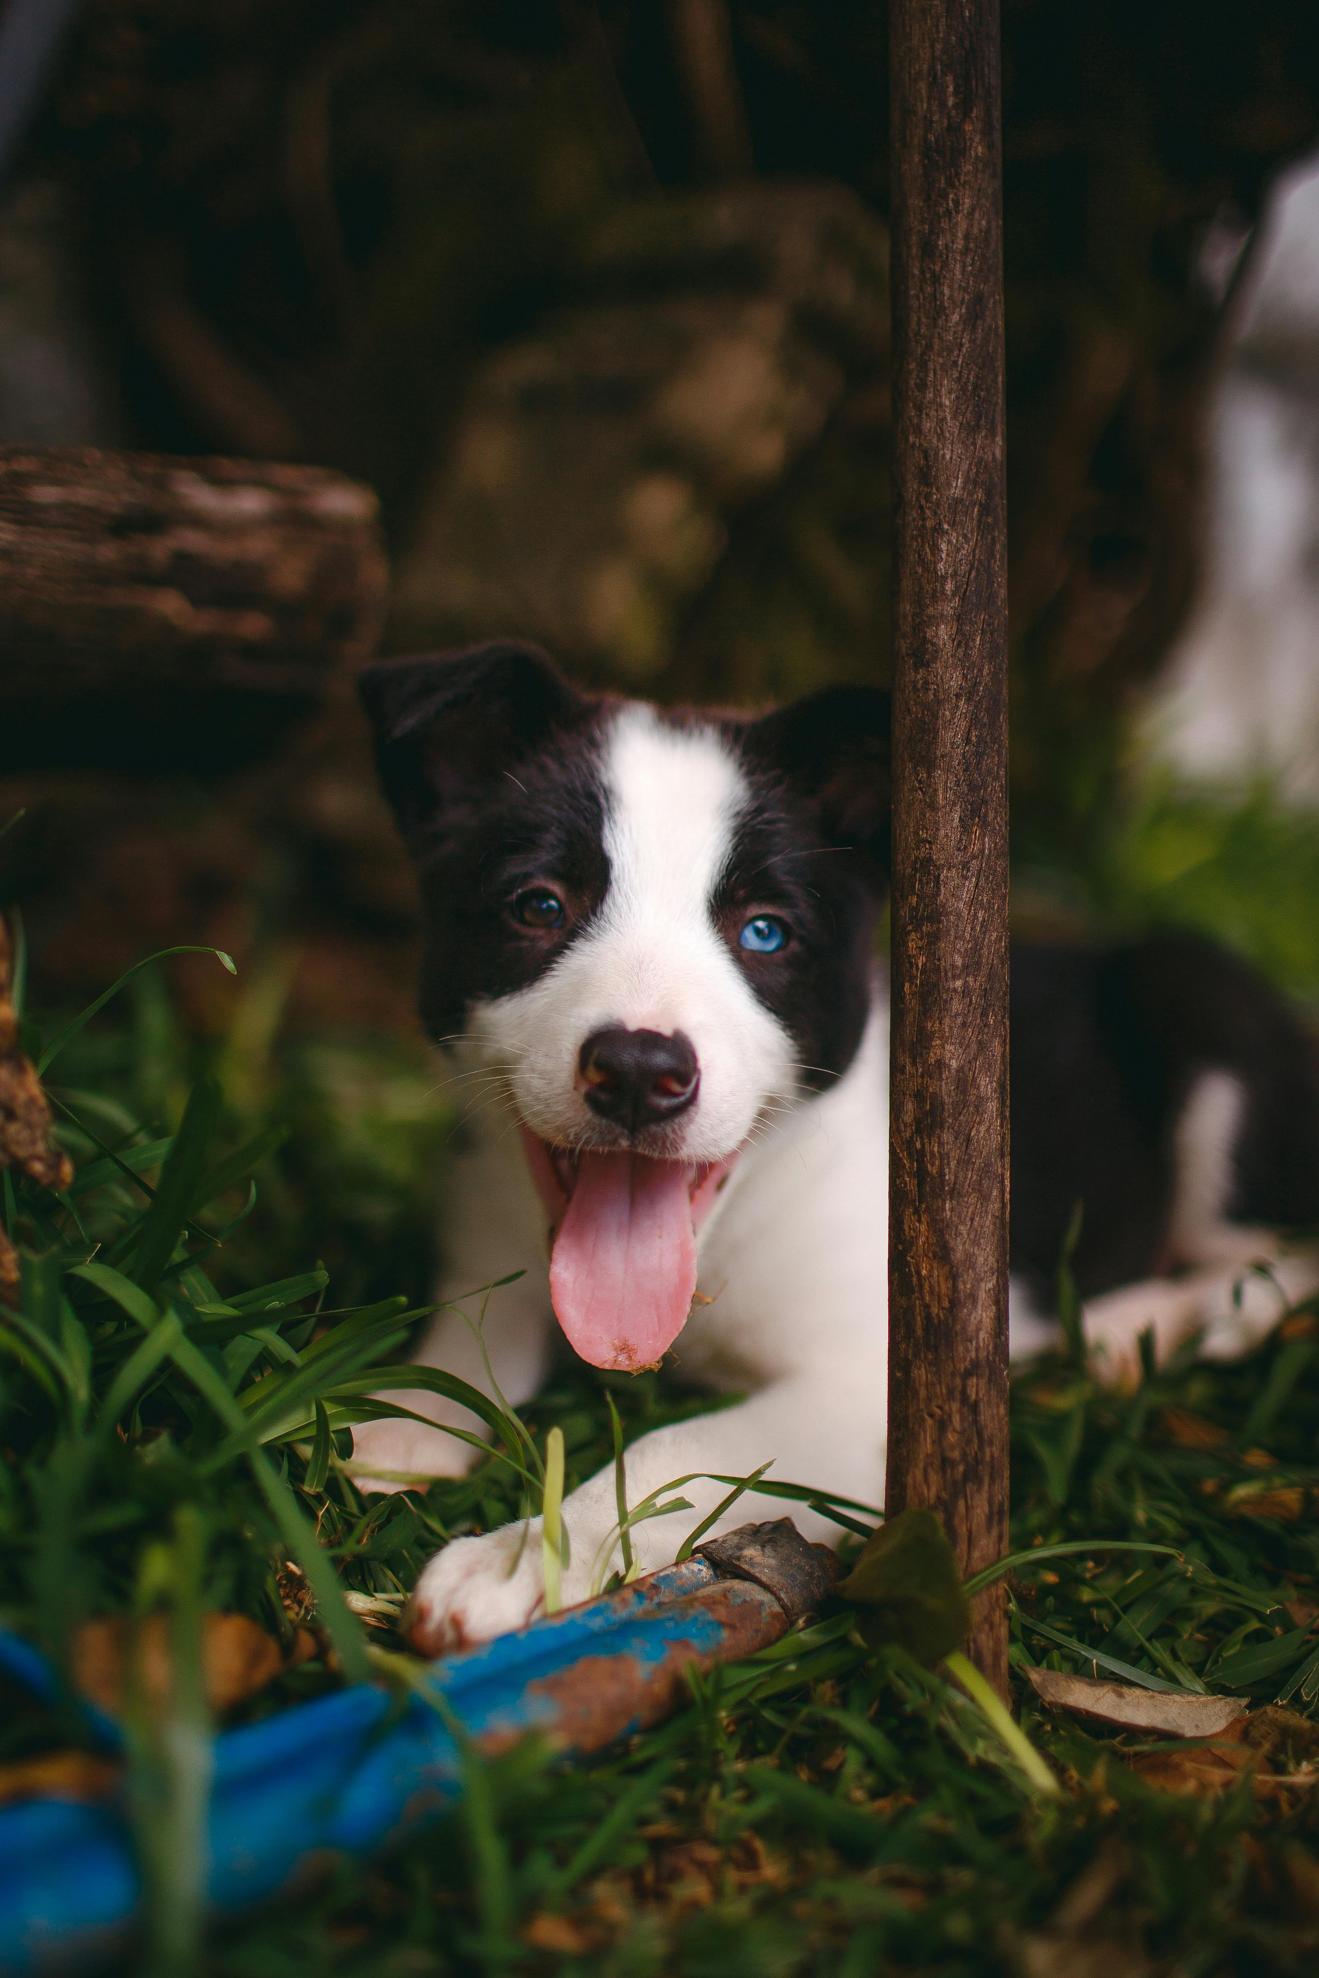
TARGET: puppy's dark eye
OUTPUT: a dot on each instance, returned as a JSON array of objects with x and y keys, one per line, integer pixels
[{"x": 540, "y": 908}]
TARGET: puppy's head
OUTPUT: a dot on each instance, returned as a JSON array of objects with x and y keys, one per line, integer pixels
[{"x": 658, "y": 928}]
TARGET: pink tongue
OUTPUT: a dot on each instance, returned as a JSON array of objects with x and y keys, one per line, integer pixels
[{"x": 623, "y": 1269}]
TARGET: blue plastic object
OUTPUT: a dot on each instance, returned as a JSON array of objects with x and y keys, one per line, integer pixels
[{"x": 354, "y": 1771}]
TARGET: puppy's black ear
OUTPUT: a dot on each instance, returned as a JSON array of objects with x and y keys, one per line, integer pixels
[
  {"x": 834, "y": 748},
  {"x": 447, "y": 725}
]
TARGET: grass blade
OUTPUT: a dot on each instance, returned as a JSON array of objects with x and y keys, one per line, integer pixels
[
  {"x": 552, "y": 1521},
  {"x": 697, "y": 1532},
  {"x": 178, "y": 1188},
  {"x": 620, "y": 1493},
  {"x": 1127, "y": 1671},
  {"x": 1013, "y": 1562},
  {"x": 66, "y": 1036},
  {"x": 1003, "y": 1724}
]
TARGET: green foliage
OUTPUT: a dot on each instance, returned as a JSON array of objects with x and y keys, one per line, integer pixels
[
  {"x": 1243, "y": 867},
  {"x": 177, "y": 1385},
  {"x": 909, "y": 1590},
  {"x": 144, "y": 1380}
]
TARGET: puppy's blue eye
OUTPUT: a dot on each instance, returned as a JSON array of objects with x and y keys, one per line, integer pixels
[
  {"x": 538, "y": 907},
  {"x": 764, "y": 935}
]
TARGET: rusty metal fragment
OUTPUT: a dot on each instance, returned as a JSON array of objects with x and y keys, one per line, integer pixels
[
  {"x": 776, "y": 1557},
  {"x": 625, "y": 1688}
]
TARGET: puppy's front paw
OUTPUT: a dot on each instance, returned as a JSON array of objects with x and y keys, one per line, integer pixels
[
  {"x": 1170, "y": 1310},
  {"x": 393, "y": 1454},
  {"x": 477, "y": 1588}
]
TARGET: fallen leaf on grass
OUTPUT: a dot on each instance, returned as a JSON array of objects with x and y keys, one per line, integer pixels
[
  {"x": 563, "y": 1935},
  {"x": 1170, "y": 1713},
  {"x": 1189, "y": 1431},
  {"x": 682, "y": 1873},
  {"x": 238, "y": 1659},
  {"x": 57, "y": 1775},
  {"x": 1051, "y": 1953},
  {"x": 1204, "y": 1770},
  {"x": 296, "y": 1596},
  {"x": 25, "y": 1125},
  {"x": 1278, "y": 1748},
  {"x": 1283, "y": 1737},
  {"x": 1287, "y": 1503}
]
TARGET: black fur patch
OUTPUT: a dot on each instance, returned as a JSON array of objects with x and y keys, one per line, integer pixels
[
  {"x": 492, "y": 765},
  {"x": 819, "y": 986},
  {"x": 811, "y": 847}
]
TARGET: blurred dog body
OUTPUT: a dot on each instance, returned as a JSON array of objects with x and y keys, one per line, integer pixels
[{"x": 649, "y": 948}]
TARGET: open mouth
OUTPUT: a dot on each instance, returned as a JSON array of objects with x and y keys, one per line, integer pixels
[{"x": 623, "y": 1255}]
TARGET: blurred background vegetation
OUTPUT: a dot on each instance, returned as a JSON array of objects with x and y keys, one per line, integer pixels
[
  {"x": 593, "y": 294},
  {"x": 595, "y": 297}
]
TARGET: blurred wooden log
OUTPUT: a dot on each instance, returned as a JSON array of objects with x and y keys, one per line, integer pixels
[{"x": 161, "y": 611}]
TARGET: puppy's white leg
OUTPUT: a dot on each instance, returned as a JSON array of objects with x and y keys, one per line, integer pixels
[
  {"x": 828, "y": 1435},
  {"x": 1246, "y": 1302},
  {"x": 1232, "y": 1307},
  {"x": 388, "y": 1455},
  {"x": 1031, "y": 1328},
  {"x": 1170, "y": 1309}
]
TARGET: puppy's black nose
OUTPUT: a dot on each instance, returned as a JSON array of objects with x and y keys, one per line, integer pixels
[{"x": 637, "y": 1078}]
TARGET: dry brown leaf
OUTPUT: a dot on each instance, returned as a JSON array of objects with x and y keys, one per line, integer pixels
[
  {"x": 25, "y": 1120},
  {"x": 562, "y": 1935},
  {"x": 10, "y": 1272},
  {"x": 1189, "y": 1431},
  {"x": 1205, "y": 1770},
  {"x": 1283, "y": 1737},
  {"x": 238, "y": 1659},
  {"x": 1280, "y": 1750},
  {"x": 296, "y": 1596},
  {"x": 25, "y": 1141},
  {"x": 1068, "y": 1954},
  {"x": 1286, "y": 1504},
  {"x": 24, "y": 1113},
  {"x": 1167, "y": 1713},
  {"x": 58, "y": 1775}
]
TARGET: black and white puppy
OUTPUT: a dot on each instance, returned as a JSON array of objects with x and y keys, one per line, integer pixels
[{"x": 649, "y": 942}]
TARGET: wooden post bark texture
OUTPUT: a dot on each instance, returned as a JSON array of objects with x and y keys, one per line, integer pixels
[
  {"x": 948, "y": 1427},
  {"x": 153, "y": 609}
]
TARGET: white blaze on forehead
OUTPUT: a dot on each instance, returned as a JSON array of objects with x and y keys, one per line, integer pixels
[{"x": 673, "y": 797}]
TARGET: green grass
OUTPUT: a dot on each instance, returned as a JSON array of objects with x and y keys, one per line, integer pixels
[
  {"x": 1244, "y": 868},
  {"x": 206, "y": 1312}
]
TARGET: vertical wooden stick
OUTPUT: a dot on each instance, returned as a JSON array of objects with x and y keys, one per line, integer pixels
[{"x": 948, "y": 1425}]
